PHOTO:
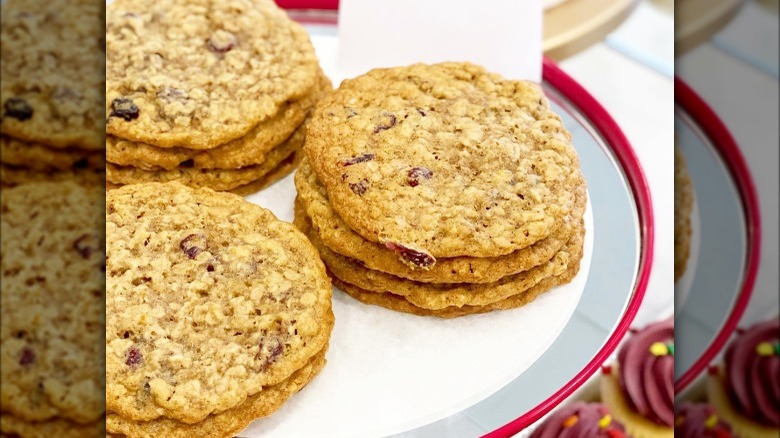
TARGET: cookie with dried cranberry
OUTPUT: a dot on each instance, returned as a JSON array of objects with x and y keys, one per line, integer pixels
[
  {"x": 437, "y": 296},
  {"x": 228, "y": 423},
  {"x": 40, "y": 157},
  {"x": 399, "y": 304},
  {"x": 52, "y": 303},
  {"x": 50, "y": 92},
  {"x": 446, "y": 160},
  {"x": 197, "y": 74},
  {"x": 209, "y": 299},
  {"x": 217, "y": 179},
  {"x": 247, "y": 150},
  {"x": 338, "y": 237}
]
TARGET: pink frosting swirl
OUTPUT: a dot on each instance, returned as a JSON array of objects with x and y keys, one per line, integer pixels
[
  {"x": 752, "y": 366},
  {"x": 698, "y": 420},
  {"x": 580, "y": 420},
  {"x": 646, "y": 368}
]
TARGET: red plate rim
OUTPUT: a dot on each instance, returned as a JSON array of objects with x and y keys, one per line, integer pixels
[
  {"x": 308, "y": 4},
  {"x": 720, "y": 137},
  {"x": 598, "y": 116}
]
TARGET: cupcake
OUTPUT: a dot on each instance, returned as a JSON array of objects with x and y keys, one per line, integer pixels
[
  {"x": 746, "y": 389},
  {"x": 639, "y": 388},
  {"x": 580, "y": 420},
  {"x": 699, "y": 420}
]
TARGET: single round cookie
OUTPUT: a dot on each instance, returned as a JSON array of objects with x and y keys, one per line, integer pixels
[
  {"x": 13, "y": 427},
  {"x": 209, "y": 299},
  {"x": 39, "y": 157},
  {"x": 50, "y": 91},
  {"x": 52, "y": 302},
  {"x": 437, "y": 296},
  {"x": 217, "y": 179},
  {"x": 198, "y": 73},
  {"x": 399, "y": 304},
  {"x": 447, "y": 160},
  {"x": 243, "y": 151},
  {"x": 225, "y": 424},
  {"x": 683, "y": 204},
  {"x": 337, "y": 236}
]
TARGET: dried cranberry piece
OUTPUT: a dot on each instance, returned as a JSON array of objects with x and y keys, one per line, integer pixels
[
  {"x": 221, "y": 42},
  {"x": 193, "y": 245},
  {"x": 18, "y": 108},
  {"x": 416, "y": 174},
  {"x": 360, "y": 187},
  {"x": 387, "y": 125},
  {"x": 124, "y": 108},
  {"x": 134, "y": 357},
  {"x": 411, "y": 256},
  {"x": 358, "y": 159},
  {"x": 86, "y": 245},
  {"x": 269, "y": 352},
  {"x": 27, "y": 357}
]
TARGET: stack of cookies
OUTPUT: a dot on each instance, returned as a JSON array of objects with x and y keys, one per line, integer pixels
[
  {"x": 441, "y": 190},
  {"x": 50, "y": 119},
  {"x": 216, "y": 312},
  {"x": 209, "y": 94}
]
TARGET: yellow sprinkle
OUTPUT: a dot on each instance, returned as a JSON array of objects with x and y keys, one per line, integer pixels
[
  {"x": 711, "y": 421},
  {"x": 659, "y": 349},
  {"x": 605, "y": 421},
  {"x": 569, "y": 422},
  {"x": 765, "y": 349}
]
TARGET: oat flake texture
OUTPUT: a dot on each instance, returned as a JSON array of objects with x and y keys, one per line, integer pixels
[
  {"x": 198, "y": 73},
  {"x": 209, "y": 299},
  {"x": 444, "y": 160}
]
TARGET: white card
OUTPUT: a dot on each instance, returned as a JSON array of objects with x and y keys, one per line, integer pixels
[{"x": 504, "y": 36}]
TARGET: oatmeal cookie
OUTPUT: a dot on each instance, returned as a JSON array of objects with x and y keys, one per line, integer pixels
[
  {"x": 225, "y": 424},
  {"x": 39, "y": 157},
  {"x": 217, "y": 179},
  {"x": 50, "y": 91},
  {"x": 11, "y": 176},
  {"x": 199, "y": 73},
  {"x": 337, "y": 236},
  {"x": 247, "y": 150},
  {"x": 446, "y": 160},
  {"x": 282, "y": 170},
  {"x": 399, "y": 304},
  {"x": 436, "y": 296},
  {"x": 209, "y": 299},
  {"x": 52, "y": 303},
  {"x": 11, "y": 426}
]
